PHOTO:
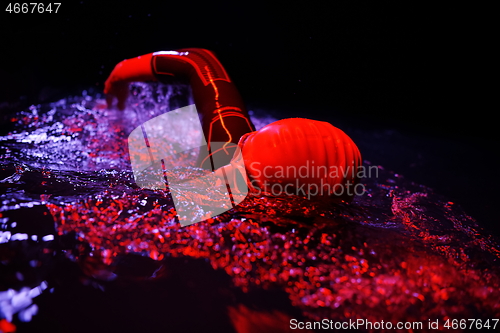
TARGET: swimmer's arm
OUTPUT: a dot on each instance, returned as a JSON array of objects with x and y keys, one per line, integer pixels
[{"x": 129, "y": 70}]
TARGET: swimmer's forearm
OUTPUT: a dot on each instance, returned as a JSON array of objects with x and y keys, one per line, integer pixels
[
  {"x": 134, "y": 69},
  {"x": 130, "y": 70}
]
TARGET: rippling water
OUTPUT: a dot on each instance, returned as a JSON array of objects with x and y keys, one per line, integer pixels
[{"x": 73, "y": 221}]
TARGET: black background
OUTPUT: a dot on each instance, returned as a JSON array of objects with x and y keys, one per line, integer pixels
[{"x": 414, "y": 75}]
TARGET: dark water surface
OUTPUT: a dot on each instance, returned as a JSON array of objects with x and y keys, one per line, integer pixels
[{"x": 83, "y": 249}]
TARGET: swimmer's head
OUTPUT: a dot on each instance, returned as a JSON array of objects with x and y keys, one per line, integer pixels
[{"x": 302, "y": 157}]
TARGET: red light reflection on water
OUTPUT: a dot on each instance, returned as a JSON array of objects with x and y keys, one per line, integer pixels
[{"x": 399, "y": 252}]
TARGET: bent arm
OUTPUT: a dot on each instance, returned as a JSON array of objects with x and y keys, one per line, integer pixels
[
  {"x": 224, "y": 116},
  {"x": 213, "y": 91}
]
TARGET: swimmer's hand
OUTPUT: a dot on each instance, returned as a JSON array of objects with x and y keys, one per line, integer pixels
[
  {"x": 129, "y": 70},
  {"x": 116, "y": 89}
]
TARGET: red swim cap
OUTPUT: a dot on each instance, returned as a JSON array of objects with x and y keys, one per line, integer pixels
[{"x": 301, "y": 156}]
